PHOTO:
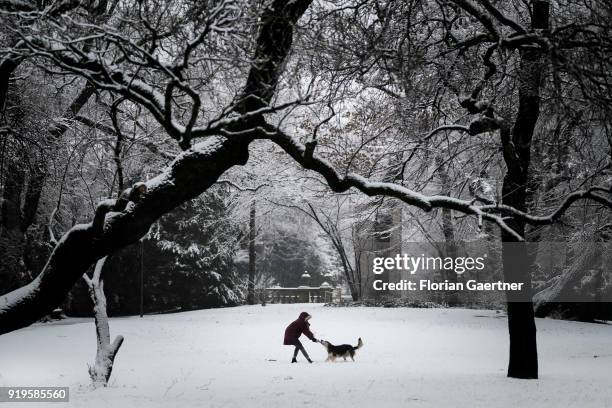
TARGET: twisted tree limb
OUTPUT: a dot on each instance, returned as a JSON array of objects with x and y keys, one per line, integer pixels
[{"x": 116, "y": 225}]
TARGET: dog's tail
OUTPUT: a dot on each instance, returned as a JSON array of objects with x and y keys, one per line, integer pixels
[{"x": 359, "y": 344}]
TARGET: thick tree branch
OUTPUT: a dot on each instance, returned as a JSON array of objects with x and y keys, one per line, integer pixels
[
  {"x": 116, "y": 225},
  {"x": 495, "y": 213},
  {"x": 188, "y": 176}
]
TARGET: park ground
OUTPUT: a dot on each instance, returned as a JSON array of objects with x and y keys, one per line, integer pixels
[{"x": 234, "y": 357}]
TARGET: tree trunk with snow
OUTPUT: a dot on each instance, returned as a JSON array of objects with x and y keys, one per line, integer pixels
[
  {"x": 448, "y": 227},
  {"x": 523, "y": 361},
  {"x": 252, "y": 255},
  {"x": 106, "y": 351}
]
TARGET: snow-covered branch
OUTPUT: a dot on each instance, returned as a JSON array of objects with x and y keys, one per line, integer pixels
[
  {"x": 495, "y": 213},
  {"x": 116, "y": 224},
  {"x": 120, "y": 222}
]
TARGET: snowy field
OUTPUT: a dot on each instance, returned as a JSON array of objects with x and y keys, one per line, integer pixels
[{"x": 234, "y": 358}]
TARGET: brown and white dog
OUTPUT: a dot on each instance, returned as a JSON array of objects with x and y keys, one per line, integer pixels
[{"x": 343, "y": 350}]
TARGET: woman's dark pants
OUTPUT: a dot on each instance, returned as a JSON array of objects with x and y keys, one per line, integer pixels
[{"x": 299, "y": 347}]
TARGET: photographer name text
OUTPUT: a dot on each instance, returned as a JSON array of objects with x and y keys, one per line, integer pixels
[{"x": 426, "y": 284}]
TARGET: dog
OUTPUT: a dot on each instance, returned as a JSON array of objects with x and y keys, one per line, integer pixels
[{"x": 343, "y": 350}]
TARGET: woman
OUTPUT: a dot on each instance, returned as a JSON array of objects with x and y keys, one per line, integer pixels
[{"x": 293, "y": 333}]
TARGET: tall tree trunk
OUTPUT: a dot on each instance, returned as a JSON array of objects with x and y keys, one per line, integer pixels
[
  {"x": 448, "y": 228},
  {"x": 12, "y": 235},
  {"x": 523, "y": 356},
  {"x": 7, "y": 66},
  {"x": 351, "y": 274},
  {"x": 252, "y": 255}
]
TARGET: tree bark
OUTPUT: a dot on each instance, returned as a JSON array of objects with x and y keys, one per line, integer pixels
[
  {"x": 448, "y": 228},
  {"x": 13, "y": 226},
  {"x": 351, "y": 274},
  {"x": 106, "y": 351},
  {"x": 252, "y": 255},
  {"x": 523, "y": 355},
  {"x": 7, "y": 66}
]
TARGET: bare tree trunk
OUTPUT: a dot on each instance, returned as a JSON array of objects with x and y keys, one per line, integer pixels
[
  {"x": 351, "y": 274},
  {"x": 252, "y": 255},
  {"x": 523, "y": 361},
  {"x": 12, "y": 233},
  {"x": 448, "y": 228},
  {"x": 7, "y": 66},
  {"x": 106, "y": 351}
]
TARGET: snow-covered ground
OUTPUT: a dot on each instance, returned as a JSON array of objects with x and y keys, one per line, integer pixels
[{"x": 234, "y": 358}]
